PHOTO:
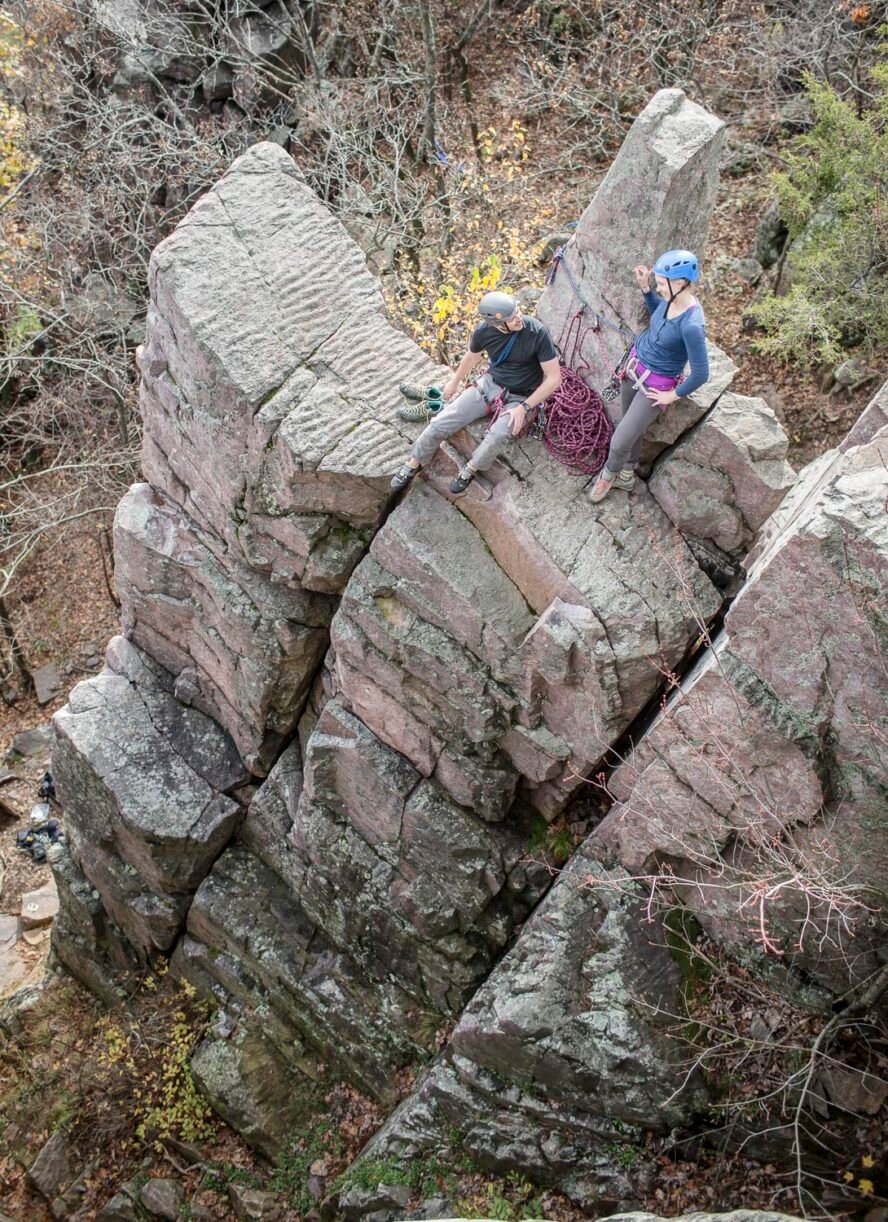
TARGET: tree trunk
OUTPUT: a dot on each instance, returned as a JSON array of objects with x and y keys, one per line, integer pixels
[{"x": 429, "y": 38}]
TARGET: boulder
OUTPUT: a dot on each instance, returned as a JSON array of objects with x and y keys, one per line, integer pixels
[
  {"x": 246, "y": 1082},
  {"x": 51, "y": 1172},
  {"x": 252, "y": 1203},
  {"x": 686, "y": 411},
  {"x": 47, "y": 682},
  {"x": 727, "y": 475},
  {"x": 120, "y": 1208},
  {"x": 39, "y": 907},
  {"x": 162, "y": 1198},
  {"x": 34, "y": 742}
]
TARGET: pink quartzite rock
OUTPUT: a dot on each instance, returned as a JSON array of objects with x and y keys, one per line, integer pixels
[
  {"x": 768, "y": 766},
  {"x": 269, "y": 380},
  {"x": 658, "y": 194},
  {"x": 145, "y": 783},
  {"x": 560, "y": 1049},
  {"x": 727, "y": 475},
  {"x": 268, "y": 350},
  {"x": 519, "y": 633},
  {"x": 244, "y": 647}
]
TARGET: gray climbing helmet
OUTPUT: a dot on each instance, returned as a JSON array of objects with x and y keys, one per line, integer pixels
[{"x": 497, "y": 307}]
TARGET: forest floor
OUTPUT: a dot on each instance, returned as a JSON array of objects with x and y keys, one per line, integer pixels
[{"x": 52, "y": 1074}]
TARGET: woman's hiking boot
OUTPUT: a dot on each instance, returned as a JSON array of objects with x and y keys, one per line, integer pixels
[{"x": 625, "y": 480}]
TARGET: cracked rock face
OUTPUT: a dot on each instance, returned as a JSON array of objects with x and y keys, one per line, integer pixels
[
  {"x": 658, "y": 194},
  {"x": 268, "y": 384},
  {"x": 725, "y": 477},
  {"x": 244, "y": 647},
  {"x": 145, "y": 782},
  {"x": 515, "y": 636},
  {"x": 483, "y": 657},
  {"x": 559, "y": 1055},
  {"x": 414, "y": 886},
  {"x": 249, "y": 943},
  {"x": 796, "y": 687}
]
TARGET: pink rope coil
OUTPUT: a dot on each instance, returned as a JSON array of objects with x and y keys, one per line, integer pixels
[{"x": 578, "y": 431}]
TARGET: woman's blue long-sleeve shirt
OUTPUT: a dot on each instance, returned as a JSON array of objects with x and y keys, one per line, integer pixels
[{"x": 670, "y": 343}]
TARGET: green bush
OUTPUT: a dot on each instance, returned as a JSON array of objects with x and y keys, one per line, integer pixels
[{"x": 833, "y": 196}]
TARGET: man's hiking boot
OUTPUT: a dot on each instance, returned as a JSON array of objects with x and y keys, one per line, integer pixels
[
  {"x": 419, "y": 413},
  {"x": 460, "y": 482},
  {"x": 403, "y": 476},
  {"x": 602, "y": 486},
  {"x": 413, "y": 391}
]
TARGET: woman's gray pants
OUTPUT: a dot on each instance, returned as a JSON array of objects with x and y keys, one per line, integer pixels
[
  {"x": 639, "y": 413},
  {"x": 466, "y": 408}
]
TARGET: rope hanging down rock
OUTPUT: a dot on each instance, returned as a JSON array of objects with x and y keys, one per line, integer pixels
[{"x": 578, "y": 430}]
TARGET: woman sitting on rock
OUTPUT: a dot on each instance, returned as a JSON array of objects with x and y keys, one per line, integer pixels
[{"x": 676, "y": 335}]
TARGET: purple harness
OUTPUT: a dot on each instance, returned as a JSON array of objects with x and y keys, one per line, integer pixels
[{"x": 644, "y": 378}]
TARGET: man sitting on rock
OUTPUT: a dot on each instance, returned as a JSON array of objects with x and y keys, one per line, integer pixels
[{"x": 522, "y": 372}]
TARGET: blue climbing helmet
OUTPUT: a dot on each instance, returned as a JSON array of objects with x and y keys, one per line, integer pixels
[{"x": 678, "y": 265}]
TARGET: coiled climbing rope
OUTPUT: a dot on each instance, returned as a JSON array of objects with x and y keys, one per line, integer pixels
[{"x": 578, "y": 431}]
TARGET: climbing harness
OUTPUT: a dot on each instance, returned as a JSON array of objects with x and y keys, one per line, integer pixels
[
  {"x": 497, "y": 405},
  {"x": 645, "y": 379}
]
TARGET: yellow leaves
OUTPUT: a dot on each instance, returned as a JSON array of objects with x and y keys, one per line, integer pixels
[
  {"x": 864, "y": 1183},
  {"x": 14, "y": 158}
]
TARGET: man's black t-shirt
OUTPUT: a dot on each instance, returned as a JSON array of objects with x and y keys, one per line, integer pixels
[{"x": 520, "y": 371}]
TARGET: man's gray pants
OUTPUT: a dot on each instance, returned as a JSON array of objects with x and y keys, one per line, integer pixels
[
  {"x": 639, "y": 413},
  {"x": 471, "y": 405}
]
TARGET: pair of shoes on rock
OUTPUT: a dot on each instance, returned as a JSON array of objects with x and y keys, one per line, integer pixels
[
  {"x": 625, "y": 481},
  {"x": 425, "y": 402}
]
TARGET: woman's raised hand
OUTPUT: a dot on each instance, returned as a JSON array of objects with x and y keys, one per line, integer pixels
[{"x": 642, "y": 277}]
